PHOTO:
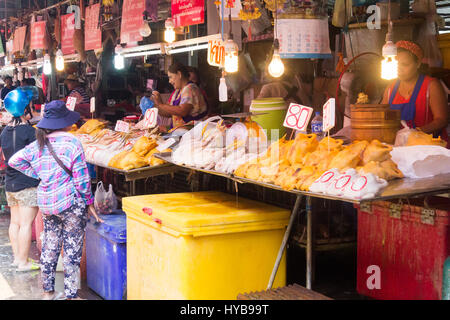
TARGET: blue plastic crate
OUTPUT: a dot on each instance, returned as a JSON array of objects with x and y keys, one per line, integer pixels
[{"x": 106, "y": 255}]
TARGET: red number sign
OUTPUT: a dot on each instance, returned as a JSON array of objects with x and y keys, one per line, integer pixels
[
  {"x": 122, "y": 126},
  {"x": 216, "y": 53},
  {"x": 151, "y": 118},
  {"x": 71, "y": 102},
  {"x": 297, "y": 117}
]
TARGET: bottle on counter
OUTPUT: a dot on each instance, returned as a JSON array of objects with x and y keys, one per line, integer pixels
[{"x": 316, "y": 125}]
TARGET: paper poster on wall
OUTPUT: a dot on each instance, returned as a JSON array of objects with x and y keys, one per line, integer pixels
[
  {"x": 92, "y": 32},
  {"x": 309, "y": 41},
  {"x": 67, "y": 31},
  {"x": 131, "y": 20},
  {"x": 37, "y": 35},
  {"x": 188, "y": 12}
]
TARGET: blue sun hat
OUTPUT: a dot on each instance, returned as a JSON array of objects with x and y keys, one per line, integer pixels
[
  {"x": 18, "y": 99},
  {"x": 146, "y": 103},
  {"x": 57, "y": 116}
]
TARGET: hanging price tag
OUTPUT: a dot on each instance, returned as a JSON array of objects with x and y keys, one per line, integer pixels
[
  {"x": 216, "y": 53},
  {"x": 71, "y": 102},
  {"x": 329, "y": 115},
  {"x": 150, "y": 118},
  {"x": 92, "y": 104},
  {"x": 297, "y": 117},
  {"x": 122, "y": 126}
]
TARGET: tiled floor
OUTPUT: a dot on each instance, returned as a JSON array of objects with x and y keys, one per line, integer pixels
[{"x": 26, "y": 285}]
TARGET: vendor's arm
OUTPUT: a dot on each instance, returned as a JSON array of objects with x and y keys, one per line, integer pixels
[
  {"x": 168, "y": 110},
  {"x": 439, "y": 107}
]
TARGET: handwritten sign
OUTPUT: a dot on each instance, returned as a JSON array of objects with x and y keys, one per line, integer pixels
[
  {"x": 67, "y": 32},
  {"x": 92, "y": 106},
  {"x": 188, "y": 12},
  {"x": 151, "y": 118},
  {"x": 92, "y": 33},
  {"x": 297, "y": 117},
  {"x": 37, "y": 38},
  {"x": 71, "y": 103},
  {"x": 329, "y": 115},
  {"x": 216, "y": 53},
  {"x": 122, "y": 126},
  {"x": 131, "y": 20}
]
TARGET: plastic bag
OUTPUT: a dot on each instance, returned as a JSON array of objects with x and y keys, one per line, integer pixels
[
  {"x": 105, "y": 202},
  {"x": 402, "y": 135},
  {"x": 427, "y": 39},
  {"x": 422, "y": 161},
  {"x": 340, "y": 16}
]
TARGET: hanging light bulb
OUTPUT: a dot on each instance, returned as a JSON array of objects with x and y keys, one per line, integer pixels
[
  {"x": 145, "y": 30},
  {"x": 231, "y": 56},
  {"x": 389, "y": 65},
  {"x": 47, "y": 65},
  {"x": 59, "y": 60},
  {"x": 276, "y": 66},
  {"x": 119, "y": 60},
  {"x": 169, "y": 33}
]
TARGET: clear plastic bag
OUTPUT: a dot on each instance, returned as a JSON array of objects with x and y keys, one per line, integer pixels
[
  {"x": 105, "y": 202},
  {"x": 402, "y": 135}
]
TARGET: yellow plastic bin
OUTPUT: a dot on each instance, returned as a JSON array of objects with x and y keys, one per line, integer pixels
[{"x": 201, "y": 245}]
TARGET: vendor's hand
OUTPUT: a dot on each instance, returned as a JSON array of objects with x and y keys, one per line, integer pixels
[
  {"x": 156, "y": 97},
  {"x": 92, "y": 212}
]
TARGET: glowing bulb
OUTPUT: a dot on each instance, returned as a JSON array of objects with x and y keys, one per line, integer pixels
[
  {"x": 389, "y": 65},
  {"x": 119, "y": 61},
  {"x": 145, "y": 30},
  {"x": 59, "y": 60},
  {"x": 276, "y": 66},
  {"x": 47, "y": 65},
  {"x": 169, "y": 33},
  {"x": 231, "y": 56}
]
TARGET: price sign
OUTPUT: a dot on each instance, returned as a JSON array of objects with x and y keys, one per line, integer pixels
[
  {"x": 329, "y": 115},
  {"x": 297, "y": 117},
  {"x": 71, "y": 102},
  {"x": 216, "y": 53},
  {"x": 92, "y": 104},
  {"x": 122, "y": 126},
  {"x": 150, "y": 118}
]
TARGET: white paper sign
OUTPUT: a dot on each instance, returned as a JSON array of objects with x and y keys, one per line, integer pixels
[
  {"x": 92, "y": 104},
  {"x": 297, "y": 117},
  {"x": 329, "y": 115},
  {"x": 71, "y": 102},
  {"x": 122, "y": 126},
  {"x": 151, "y": 118},
  {"x": 166, "y": 144},
  {"x": 310, "y": 39}
]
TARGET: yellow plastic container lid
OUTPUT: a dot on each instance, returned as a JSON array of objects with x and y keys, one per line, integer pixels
[{"x": 204, "y": 213}]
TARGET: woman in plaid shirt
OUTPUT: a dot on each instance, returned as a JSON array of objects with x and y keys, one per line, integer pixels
[{"x": 64, "y": 194}]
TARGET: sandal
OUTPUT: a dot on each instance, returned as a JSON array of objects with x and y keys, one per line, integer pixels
[{"x": 31, "y": 267}]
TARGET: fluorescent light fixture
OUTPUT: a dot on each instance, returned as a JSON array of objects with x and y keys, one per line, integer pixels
[
  {"x": 143, "y": 53},
  {"x": 187, "y": 49}
]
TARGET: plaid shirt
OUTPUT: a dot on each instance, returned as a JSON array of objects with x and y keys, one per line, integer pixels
[{"x": 56, "y": 191}]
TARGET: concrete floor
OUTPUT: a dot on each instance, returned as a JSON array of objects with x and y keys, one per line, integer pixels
[{"x": 26, "y": 285}]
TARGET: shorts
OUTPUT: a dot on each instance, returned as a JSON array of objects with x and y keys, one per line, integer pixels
[{"x": 26, "y": 198}]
